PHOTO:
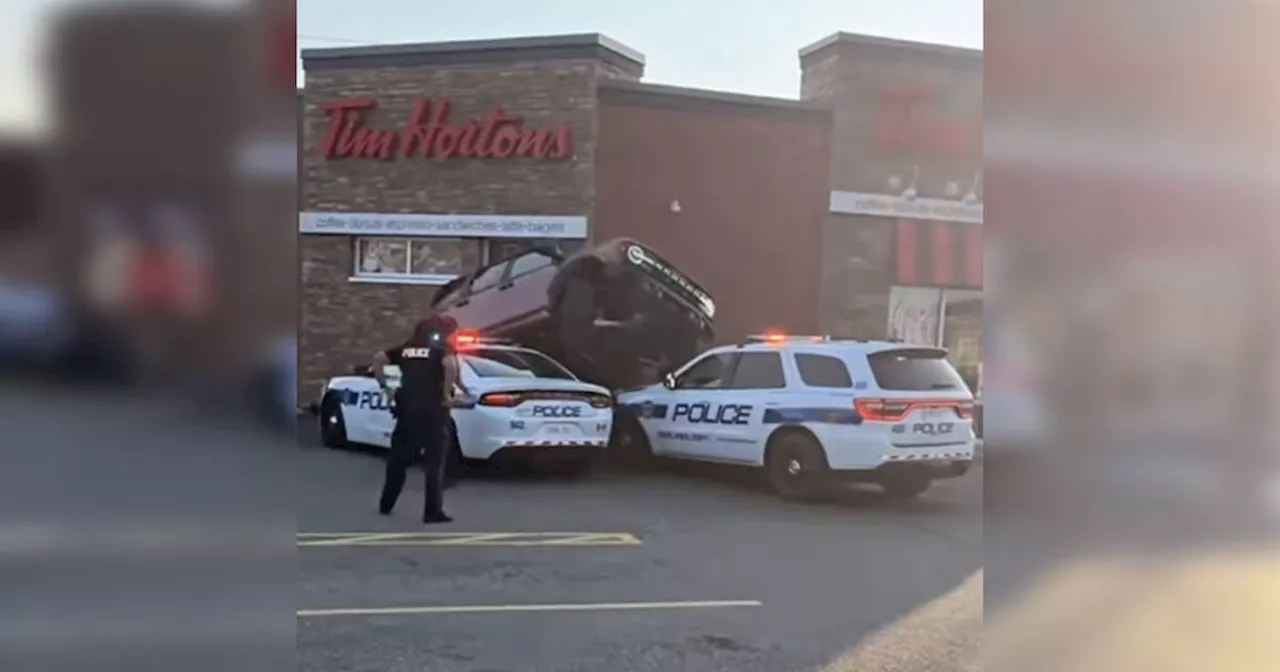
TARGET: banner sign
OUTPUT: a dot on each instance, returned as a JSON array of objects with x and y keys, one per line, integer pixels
[{"x": 442, "y": 226}]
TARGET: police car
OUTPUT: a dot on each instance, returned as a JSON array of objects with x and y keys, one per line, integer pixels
[
  {"x": 811, "y": 411},
  {"x": 523, "y": 406}
]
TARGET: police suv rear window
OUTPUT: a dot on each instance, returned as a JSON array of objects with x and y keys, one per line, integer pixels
[
  {"x": 914, "y": 370},
  {"x": 823, "y": 371}
]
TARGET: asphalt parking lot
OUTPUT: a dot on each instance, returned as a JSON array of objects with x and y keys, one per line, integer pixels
[{"x": 679, "y": 569}]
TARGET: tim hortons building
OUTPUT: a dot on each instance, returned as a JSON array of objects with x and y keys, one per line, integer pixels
[{"x": 852, "y": 210}]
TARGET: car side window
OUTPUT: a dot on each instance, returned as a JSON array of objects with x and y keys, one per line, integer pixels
[
  {"x": 710, "y": 373},
  {"x": 759, "y": 371},
  {"x": 488, "y": 278},
  {"x": 823, "y": 371},
  {"x": 529, "y": 263}
]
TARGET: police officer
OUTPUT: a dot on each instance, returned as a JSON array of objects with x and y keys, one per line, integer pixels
[{"x": 429, "y": 381}]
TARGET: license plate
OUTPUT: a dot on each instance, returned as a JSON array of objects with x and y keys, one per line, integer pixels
[{"x": 560, "y": 430}]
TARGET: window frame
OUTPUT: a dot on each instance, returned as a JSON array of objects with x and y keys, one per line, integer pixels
[
  {"x": 731, "y": 368},
  {"x": 795, "y": 356},
  {"x": 407, "y": 277},
  {"x": 737, "y": 366},
  {"x": 502, "y": 269},
  {"x": 512, "y": 274}
]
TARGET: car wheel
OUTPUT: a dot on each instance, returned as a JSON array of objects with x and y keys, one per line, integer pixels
[
  {"x": 905, "y": 484},
  {"x": 333, "y": 426},
  {"x": 629, "y": 443},
  {"x": 796, "y": 466}
]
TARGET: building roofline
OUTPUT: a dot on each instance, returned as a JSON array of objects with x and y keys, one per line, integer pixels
[
  {"x": 712, "y": 95},
  {"x": 427, "y": 49},
  {"x": 617, "y": 91},
  {"x": 947, "y": 50}
]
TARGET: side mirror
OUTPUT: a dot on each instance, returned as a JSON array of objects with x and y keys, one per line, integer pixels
[
  {"x": 669, "y": 382},
  {"x": 364, "y": 370}
]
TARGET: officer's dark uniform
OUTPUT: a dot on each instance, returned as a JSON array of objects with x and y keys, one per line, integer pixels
[{"x": 421, "y": 418}]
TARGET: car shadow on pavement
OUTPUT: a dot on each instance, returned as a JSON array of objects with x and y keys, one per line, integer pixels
[{"x": 941, "y": 499}]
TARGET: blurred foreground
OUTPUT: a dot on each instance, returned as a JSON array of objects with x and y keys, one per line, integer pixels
[{"x": 147, "y": 276}]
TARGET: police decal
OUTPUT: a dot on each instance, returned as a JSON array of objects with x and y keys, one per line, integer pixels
[
  {"x": 704, "y": 413},
  {"x": 933, "y": 429},
  {"x": 374, "y": 401},
  {"x": 557, "y": 411}
]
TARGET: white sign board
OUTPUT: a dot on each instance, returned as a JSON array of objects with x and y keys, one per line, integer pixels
[
  {"x": 442, "y": 226},
  {"x": 897, "y": 207}
]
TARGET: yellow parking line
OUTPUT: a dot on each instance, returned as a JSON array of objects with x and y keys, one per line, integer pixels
[
  {"x": 468, "y": 539},
  {"x": 518, "y": 608}
]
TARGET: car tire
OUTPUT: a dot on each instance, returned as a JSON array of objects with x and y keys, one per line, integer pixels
[
  {"x": 333, "y": 426},
  {"x": 629, "y": 444},
  {"x": 905, "y": 485},
  {"x": 796, "y": 467}
]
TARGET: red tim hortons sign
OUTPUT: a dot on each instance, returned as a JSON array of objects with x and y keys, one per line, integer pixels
[{"x": 429, "y": 133}]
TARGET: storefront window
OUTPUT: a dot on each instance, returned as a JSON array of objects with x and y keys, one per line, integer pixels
[
  {"x": 962, "y": 334},
  {"x": 422, "y": 259},
  {"x": 941, "y": 317}
]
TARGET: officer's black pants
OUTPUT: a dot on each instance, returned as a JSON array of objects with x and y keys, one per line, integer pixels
[{"x": 413, "y": 437}]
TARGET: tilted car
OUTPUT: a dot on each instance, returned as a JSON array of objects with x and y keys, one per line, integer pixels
[
  {"x": 615, "y": 314},
  {"x": 811, "y": 412},
  {"x": 524, "y": 407}
]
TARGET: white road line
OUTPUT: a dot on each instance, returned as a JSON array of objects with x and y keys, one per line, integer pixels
[
  {"x": 346, "y": 541},
  {"x": 518, "y": 608}
]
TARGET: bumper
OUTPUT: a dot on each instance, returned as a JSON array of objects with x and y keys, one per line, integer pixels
[
  {"x": 934, "y": 469},
  {"x": 548, "y": 454}
]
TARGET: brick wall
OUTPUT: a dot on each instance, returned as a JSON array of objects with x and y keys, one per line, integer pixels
[
  {"x": 342, "y": 323},
  {"x": 750, "y": 178}
]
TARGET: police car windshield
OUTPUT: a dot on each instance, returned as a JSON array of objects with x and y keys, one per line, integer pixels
[{"x": 493, "y": 363}]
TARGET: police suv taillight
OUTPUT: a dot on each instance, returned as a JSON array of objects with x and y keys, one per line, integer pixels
[
  {"x": 881, "y": 410},
  {"x": 600, "y": 400},
  {"x": 890, "y": 410}
]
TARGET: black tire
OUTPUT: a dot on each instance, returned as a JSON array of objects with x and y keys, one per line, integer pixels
[
  {"x": 905, "y": 485},
  {"x": 333, "y": 426},
  {"x": 629, "y": 445},
  {"x": 796, "y": 466}
]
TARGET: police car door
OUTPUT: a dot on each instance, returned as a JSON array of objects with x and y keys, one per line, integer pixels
[
  {"x": 696, "y": 404},
  {"x": 378, "y": 413},
  {"x": 757, "y": 383}
]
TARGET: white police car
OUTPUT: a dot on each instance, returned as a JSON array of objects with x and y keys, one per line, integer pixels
[
  {"x": 525, "y": 406},
  {"x": 811, "y": 411}
]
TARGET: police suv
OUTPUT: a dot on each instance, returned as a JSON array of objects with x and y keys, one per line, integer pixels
[
  {"x": 524, "y": 406},
  {"x": 811, "y": 411}
]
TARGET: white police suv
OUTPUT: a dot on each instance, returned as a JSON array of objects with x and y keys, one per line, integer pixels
[
  {"x": 811, "y": 411},
  {"x": 524, "y": 406}
]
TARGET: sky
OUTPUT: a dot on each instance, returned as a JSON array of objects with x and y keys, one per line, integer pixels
[{"x": 746, "y": 46}]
